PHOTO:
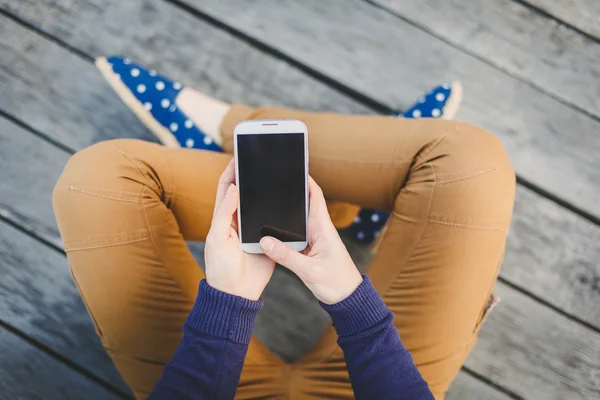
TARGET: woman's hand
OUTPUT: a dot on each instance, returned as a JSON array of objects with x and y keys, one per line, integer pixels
[
  {"x": 326, "y": 269},
  {"x": 228, "y": 268}
]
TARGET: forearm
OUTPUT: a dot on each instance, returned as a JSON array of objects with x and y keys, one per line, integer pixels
[
  {"x": 379, "y": 365},
  {"x": 209, "y": 360}
]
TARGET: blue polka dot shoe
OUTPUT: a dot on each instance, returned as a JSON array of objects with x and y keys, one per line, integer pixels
[
  {"x": 440, "y": 102},
  {"x": 152, "y": 97}
]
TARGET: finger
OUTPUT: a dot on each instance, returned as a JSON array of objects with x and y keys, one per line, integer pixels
[
  {"x": 316, "y": 200},
  {"x": 222, "y": 218},
  {"x": 283, "y": 254},
  {"x": 226, "y": 179},
  {"x": 317, "y": 206}
]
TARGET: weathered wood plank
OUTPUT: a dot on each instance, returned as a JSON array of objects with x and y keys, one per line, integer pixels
[
  {"x": 193, "y": 52},
  {"x": 28, "y": 373},
  {"x": 30, "y": 168},
  {"x": 555, "y": 255},
  {"x": 37, "y": 294},
  {"x": 529, "y": 255},
  {"x": 536, "y": 352},
  {"x": 518, "y": 40},
  {"x": 466, "y": 387},
  {"x": 36, "y": 87},
  {"x": 582, "y": 14},
  {"x": 393, "y": 61}
]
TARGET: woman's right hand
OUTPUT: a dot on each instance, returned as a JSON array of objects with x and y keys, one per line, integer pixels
[{"x": 326, "y": 267}]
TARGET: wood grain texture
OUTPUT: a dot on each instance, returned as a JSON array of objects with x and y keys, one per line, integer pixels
[
  {"x": 19, "y": 91},
  {"x": 26, "y": 372},
  {"x": 537, "y": 249},
  {"x": 392, "y": 61},
  {"x": 518, "y": 40},
  {"x": 544, "y": 355},
  {"x": 38, "y": 297},
  {"x": 30, "y": 168},
  {"x": 155, "y": 34},
  {"x": 555, "y": 255},
  {"x": 583, "y": 14},
  {"x": 467, "y": 387}
]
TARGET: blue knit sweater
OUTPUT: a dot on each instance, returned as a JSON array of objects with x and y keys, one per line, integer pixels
[{"x": 209, "y": 359}]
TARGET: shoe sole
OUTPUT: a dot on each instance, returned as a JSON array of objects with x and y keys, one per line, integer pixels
[{"x": 162, "y": 133}]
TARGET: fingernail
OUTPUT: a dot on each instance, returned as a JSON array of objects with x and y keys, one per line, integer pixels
[
  {"x": 230, "y": 189},
  {"x": 267, "y": 244}
]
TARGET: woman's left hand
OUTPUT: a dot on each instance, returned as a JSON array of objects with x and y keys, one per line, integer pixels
[{"x": 228, "y": 268}]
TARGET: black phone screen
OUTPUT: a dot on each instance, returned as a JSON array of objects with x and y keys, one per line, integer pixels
[{"x": 271, "y": 181}]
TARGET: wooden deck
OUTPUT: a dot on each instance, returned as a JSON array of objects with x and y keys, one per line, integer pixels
[{"x": 531, "y": 71}]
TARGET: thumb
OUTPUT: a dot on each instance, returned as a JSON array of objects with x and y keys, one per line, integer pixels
[{"x": 284, "y": 255}]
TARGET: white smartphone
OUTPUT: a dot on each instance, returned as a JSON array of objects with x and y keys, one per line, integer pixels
[{"x": 271, "y": 170}]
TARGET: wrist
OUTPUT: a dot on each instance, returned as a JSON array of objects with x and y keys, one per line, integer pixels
[
  {"x": 350, "y": 284},
  {"x": 359, "y": 311},
  {"x": 233, "y": 290}
]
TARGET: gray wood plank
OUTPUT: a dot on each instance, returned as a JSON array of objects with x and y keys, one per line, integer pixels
[
  {"x": 63, "y": 116},
  {"x": 583, "y": 14},
  {"x": 518, "y": 40},
  {"x": 467, "y": 387},
  {"x": 537, "y": 353},
  {"x": 26, "y": 372},
  {"x": 214, "y": 62},
  {"x": 393, "y": 61},
  {"x": 537, "y": 248},
  {"x": 37, "y": 292},
  {"x": 555, "y": 255}
]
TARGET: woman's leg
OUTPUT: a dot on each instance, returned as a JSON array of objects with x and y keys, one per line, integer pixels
[
  {"x": 124, "y": 209},
  {"x": 450, "y": 187}
]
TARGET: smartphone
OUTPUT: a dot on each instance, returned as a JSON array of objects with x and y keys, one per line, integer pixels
[{"x": 271, "y": 169}]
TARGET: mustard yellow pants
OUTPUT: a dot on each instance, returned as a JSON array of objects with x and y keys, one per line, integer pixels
[{"x": 126, "y": 207}]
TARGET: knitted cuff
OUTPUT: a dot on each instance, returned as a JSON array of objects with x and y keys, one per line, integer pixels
[
  {"x": 223, "y": 315},
  {"x": 360, "y": 311}
]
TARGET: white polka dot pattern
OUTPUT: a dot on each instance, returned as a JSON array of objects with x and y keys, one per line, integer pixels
[{"x": 156, "y": 95}]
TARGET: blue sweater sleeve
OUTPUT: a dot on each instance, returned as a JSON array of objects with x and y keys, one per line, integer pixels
[
  {"x": 379, "y": 365},
  {"x": 209, "y": 360}
]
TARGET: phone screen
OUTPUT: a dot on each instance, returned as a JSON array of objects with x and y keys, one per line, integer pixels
[{"x": 271, "y": 181}]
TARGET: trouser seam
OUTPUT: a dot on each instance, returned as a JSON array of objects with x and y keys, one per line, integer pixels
[
  {"x": 486, "y": 171},
  {"x": 67, "y": 249},
  {"x": 435, "y": 221},
  {"x": 82, "y": 191}
]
